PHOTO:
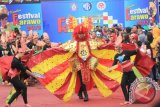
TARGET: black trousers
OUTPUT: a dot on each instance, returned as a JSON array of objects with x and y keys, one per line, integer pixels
[
  {"x": 127, "y": 79},
  {"x": 83, "y": 86},
  {"x": 154, "y": 71},
  {"x": 20, "y": 88}
]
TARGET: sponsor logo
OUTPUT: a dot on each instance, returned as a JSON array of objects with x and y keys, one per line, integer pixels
[
  {"x": 87, "y": 6},
  {"x": 143, "y": 90},
  {"x": 101, "y": 5},
  {"x": 74, "y": 6}
]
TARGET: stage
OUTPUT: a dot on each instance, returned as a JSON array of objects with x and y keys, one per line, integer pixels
[{"x": 38, "y": 96}]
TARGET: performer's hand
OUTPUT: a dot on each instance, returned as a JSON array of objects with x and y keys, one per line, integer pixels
[
  {"x": 112, "y": 68},
  {"x": 109, "y": 70}
]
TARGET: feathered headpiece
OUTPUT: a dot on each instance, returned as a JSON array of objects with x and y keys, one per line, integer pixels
[{"x": 80, "y": 29}]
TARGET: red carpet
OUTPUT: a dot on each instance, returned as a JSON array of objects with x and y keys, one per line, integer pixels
[{"x": 40, "y": 97}]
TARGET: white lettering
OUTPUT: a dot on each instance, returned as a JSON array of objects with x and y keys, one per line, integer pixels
[
  {"x": 139, "y": 11},
  {"x": 29, "y": 16}
]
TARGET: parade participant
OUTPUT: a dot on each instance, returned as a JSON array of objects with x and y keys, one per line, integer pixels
[
  {"x": 75, "y": 67},
  {"x": 123, "y": 57},
  {"x": 14, "y": 73},
  {"x": 83, "y": 56}
]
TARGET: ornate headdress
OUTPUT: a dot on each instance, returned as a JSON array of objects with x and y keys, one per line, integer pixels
[{"x": 80, "y": 29}]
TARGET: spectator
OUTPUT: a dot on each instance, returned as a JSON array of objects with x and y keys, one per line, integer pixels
[
  {"x": 134, "y": 29},
  {"x": 125, "y": 38},
  {"x": 128, "y": 30},
  {"x": 141, "y": 36},
  {"x": 133, "y": 38}
]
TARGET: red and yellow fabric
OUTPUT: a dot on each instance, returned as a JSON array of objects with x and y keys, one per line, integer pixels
[
  {"x": 106, "y": 82},
  {"x": 62, "y": 82},
  {"x": 5, "y": 64},
  {"x": 54, "y": 65}
]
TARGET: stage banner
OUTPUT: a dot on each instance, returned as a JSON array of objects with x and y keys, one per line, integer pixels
[
  {"x": 155, "y": 8},
  {"x": 136, "y": 12},
  {"x": 57, "y": 15},
  {"x": 23, "y": 1},
  {"x": 4, "y": 1},
  {"x": 28, "y": 16}
]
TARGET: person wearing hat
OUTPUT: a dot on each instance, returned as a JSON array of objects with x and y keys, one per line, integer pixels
[
  {"x": 17, "y": 68},
  {"x": 123, "y": 57}
]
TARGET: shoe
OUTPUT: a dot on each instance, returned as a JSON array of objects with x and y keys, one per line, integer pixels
[
  {"x": 80, "y": 95},
  {"x": 85, "y": 96},
  {"x": 85, "y": 99},
  {"x": 27, "y": 105},
  {"x": 125, "y": 103}
]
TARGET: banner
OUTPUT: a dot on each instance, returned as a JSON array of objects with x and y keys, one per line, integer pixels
[
  {"x": 23, "y": 1},
  {"x": 3, "y": 1},
  {"x": 28, "y": 16},
  {"x": 154, "y": 6},
  {"x": 56, "y": 15},
  {"x": 136, "y": 12}
]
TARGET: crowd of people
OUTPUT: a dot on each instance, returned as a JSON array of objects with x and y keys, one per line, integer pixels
[
  {"x": 14, "y": 42},
  {"x": 148, "y": 42}
]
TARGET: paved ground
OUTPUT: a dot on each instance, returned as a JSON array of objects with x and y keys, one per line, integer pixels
[{"x": 40, "y": 97}]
